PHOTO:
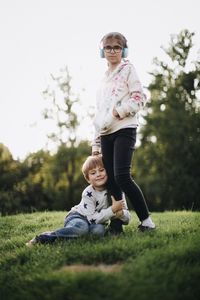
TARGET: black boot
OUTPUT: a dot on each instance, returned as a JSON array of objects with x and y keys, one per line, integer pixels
[{"x": 115, "y": 227}]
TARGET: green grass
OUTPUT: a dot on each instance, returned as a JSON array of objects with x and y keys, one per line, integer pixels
[{"x": 164, "y": 264}]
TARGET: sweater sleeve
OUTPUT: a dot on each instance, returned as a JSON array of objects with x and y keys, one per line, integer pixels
[
  {"x": 137, "y": 98},
  {"x": 126, "y": 214},
  {"x": 126, "y": 217}
]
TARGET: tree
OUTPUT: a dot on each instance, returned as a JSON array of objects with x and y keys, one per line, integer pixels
[
  {"x": 10, "y": 174},
  {"x": 69, "y": 155},
  {"x": 61, "y": 109},
  {"x": 47, "y": 180},
  {"x": 67, "y": 177},
  {"x": 32, "y": 189},
  {"x": 168, "y": 159}
]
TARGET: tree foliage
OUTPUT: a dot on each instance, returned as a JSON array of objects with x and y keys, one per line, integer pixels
[
  {"x": 61, "y": 110},
  {"x": 45, "y": 180},
  {"x": 168, "y": 159}
]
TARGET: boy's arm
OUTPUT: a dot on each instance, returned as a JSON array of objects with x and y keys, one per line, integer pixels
[
  {"x": 89, "y": 204},
  {"x": 89, "y": 209},
  {"x": 123, "y": 214}
]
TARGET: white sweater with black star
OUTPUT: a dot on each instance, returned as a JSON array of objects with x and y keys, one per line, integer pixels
[{"x": 95, "y": 207}]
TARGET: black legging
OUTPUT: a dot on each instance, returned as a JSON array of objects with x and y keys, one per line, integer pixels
[{"x": 117, "y": 150}]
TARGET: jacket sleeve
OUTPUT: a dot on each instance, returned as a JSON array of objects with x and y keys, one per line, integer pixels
[
  {"x": 96, "y": 143},
  {"x": 137, "y": 98},
  {"x": 93, "y": 216}
]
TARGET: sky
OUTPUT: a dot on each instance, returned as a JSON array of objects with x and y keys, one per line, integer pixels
[{"x": 40, "y": 37}]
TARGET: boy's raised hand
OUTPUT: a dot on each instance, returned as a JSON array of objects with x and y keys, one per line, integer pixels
[{"x": 117, "y": 205}]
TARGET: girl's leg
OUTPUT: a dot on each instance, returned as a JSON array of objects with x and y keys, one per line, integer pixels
[
  {"x": 107, "y": 148},
  {"x": 123, "y": 152}
]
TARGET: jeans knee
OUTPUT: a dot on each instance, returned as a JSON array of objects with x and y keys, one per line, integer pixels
[
  {"x": 97, "y": 229},
  {"x": 78, "y": 225}
]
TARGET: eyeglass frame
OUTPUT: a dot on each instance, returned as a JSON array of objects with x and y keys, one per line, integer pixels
[{"x": 109, "y": 49}]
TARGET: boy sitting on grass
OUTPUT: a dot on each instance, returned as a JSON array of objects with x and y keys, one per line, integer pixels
[{"x": 92, "y": 214}]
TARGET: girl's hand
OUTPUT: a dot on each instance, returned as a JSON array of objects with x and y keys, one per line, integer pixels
[
  {"x": 95, "y": 153},
  {"x": 115, "y": 114}
]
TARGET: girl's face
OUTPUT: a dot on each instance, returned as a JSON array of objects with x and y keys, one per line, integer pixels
[{"x": 113, "y": 51}]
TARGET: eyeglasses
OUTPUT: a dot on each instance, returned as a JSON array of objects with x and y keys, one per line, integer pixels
[{"x": 116, "y": 49}]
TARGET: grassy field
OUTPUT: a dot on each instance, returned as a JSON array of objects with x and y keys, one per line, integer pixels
[{"x": 164, "y": 264}]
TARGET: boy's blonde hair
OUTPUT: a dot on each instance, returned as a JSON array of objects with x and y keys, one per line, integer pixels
[{"x": 91, "y": 163}]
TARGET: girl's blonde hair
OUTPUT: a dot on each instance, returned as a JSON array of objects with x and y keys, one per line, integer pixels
[{"x": 91, "y": 163}]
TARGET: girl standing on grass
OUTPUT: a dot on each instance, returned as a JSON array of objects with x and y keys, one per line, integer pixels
[{"x": 119, "y": 99}]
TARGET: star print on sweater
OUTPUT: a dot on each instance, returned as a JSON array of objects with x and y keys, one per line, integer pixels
[
  {"x": 94, "y": 205},
  {"x": 93, "y": 221},
  {"x": 89, "y": 194}
]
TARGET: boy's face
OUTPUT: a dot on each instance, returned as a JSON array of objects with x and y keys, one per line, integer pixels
[{"x": 97, "y": 177}]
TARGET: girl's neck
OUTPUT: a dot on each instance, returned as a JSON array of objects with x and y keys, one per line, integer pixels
[{"x": 112, "y": 67}]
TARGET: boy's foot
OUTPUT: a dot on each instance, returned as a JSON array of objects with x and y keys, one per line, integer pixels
[
  {"x": 143, "y": 228},
  {"x": 32, "y": 242}
]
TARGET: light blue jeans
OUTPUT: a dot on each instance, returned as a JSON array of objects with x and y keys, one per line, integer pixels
[{"x": 75, "y": 226}]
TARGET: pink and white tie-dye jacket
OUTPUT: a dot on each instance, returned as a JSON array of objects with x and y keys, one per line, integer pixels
[{"x": 121, "y": 90}]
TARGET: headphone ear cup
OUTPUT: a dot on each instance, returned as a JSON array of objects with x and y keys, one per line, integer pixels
[
  {"x": 124, "y": 52},
  {"x": 102, "y": 53}
]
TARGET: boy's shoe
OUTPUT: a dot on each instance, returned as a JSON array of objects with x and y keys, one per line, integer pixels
[
  {"x": 143, "y": 228},
  {"x": 32, "y": 242}
]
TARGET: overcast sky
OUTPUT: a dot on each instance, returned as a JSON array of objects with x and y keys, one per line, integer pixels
[{"x": 39, "y": 37}]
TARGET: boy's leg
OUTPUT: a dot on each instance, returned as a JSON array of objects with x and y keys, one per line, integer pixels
[
  {"x": 97, "y": 229},
  {"x": 74, "y": 228}
]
